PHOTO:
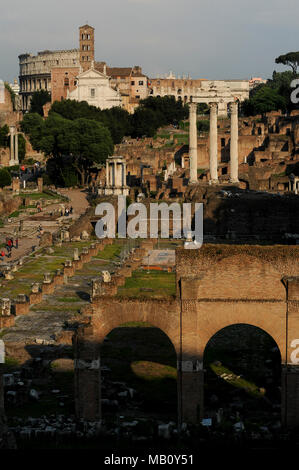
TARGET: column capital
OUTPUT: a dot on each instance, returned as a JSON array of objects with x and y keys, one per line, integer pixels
[
  {"x": 233, "y": 106},
  {"x": 192, "y": 107},
  {"x": 213, "y": 106}
]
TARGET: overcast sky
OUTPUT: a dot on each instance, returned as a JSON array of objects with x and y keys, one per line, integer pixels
[{"x": 214, "y": 39}]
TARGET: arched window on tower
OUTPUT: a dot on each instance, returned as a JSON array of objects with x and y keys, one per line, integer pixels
[{"x": 66, "y": 79}]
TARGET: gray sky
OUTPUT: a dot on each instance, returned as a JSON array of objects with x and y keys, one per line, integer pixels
[{"x": 211, "y": 39}]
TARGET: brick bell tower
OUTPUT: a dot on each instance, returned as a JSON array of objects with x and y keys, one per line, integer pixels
[{"x": 86, "y": 46}]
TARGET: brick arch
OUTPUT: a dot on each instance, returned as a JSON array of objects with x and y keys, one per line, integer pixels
[
  {"x": 246, "y": 324},
  {"x": 113, "y": 312},
  {"x": 276, "y": 330}
]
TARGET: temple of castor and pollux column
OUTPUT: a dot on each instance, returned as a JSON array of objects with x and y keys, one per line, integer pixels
[{"x": 213, "y": 98}]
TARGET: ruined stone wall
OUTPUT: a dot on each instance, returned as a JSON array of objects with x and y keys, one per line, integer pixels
[{"x": 8, "y": 204}]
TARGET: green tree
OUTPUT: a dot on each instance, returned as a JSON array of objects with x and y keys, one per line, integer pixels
[
  {"x": 168, "y": 110},
  {"x": 203, "y": 125},
  {"x": 38, "y": 100},
  {"x": 116, "y": 119},
  {"x": 265, "y": 99},
  {"x": 5, "y": 178},
  {"x": 145, "y": 122},
  {"x": 33, "y": 125},
  {"x": 203, "y": 108},
  {"x": 291, "y": 59},
  {"x": 85, "y": 141},
  {"x": 22, "y": 147},
  {"x": 4, "y": 140}
]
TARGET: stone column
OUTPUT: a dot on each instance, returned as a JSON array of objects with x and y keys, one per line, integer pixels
[
  {"x": 107, "y": 174},
  {"x": 114, "y": 173},
  {"x": 213, "y": 143},
  {"x": 111, "y": 169},
  {"x": 234, "y": 138},
  {"x": 16, "y": 149},
  {"x": 118, "y": 174},
  {"x": 12, "y": 147},
  {"x": 124, "y": 174},
  {"x": 193, "y": 143}
]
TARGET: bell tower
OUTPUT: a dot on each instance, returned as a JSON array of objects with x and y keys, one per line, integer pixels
[{"x": 86, "y": 46}]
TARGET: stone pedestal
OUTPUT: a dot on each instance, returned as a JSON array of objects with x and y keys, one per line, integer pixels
[
  {"x": 22, "y": 305},
  {"x": 96, "y": 288},
  {"x": 47, "y": 278},
  {"x": 5, "y": 306}
]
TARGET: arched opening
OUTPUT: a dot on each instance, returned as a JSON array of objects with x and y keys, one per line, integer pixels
[
  {"x": 139, "y": 372},
  {"x": 243, "y": 379}
]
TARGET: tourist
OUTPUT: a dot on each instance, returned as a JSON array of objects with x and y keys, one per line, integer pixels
[
  {"x": 17, "y": 243},
  {"x": 2, "y": 255},
  {"x": 71, "y": 209},
  {"x": 10, "y": 244}
]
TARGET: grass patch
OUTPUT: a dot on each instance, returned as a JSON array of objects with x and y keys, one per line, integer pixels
[
  {"x": 14, "y": 214},
  {"x": 242, "y": 383},
  {"x": 67, "y": 299},
  {"x": 36, "y": 196},
  {"x": 148, "y": 370},
  {"x": 110, "y": 252},
  {"x": 161, "y": 283}
]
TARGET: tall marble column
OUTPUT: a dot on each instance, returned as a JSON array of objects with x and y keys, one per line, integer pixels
[
  {"x": 234, "y": 138},
  {"x": 117, "y": 168},
  {"x": 16, "y": 149},
  {"x": 193, "y": 142},
  {"x": 107, "y": 174},
  {"x": 213, "y": 143},
  {"x": 124, "y": 174},
  {"x": 12, "y": 146}
]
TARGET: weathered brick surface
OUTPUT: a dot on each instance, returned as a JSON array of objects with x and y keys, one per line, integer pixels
[
  {"x": 7, "y": 321},
  {"x": 22, "y": 308}
]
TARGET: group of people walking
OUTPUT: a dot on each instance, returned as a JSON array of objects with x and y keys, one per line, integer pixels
[
  {"x": 9, "y": 245},
  {"x": 67, "y": 211}
]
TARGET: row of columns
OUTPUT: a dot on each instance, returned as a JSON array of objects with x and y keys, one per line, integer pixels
[
  {"x": 115, "y": 173},
  {"x": 35, "y": 84},
  {"x": 14, "y": 147},
  {"x": 234, "y": 137}
]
